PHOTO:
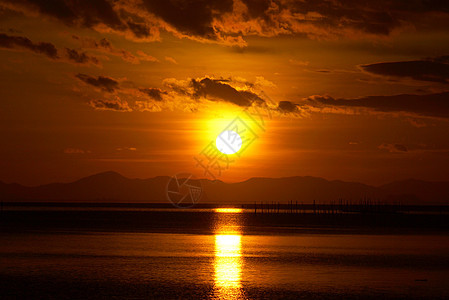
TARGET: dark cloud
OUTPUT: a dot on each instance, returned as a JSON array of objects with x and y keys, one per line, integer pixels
[
  {"x": 190, "y": 17},
  {"x": 76, "y": 12},
  {"x": 366, "y": 16},
  {"x": 431, "y": 105},
  {"x": 228, "y": 21},
  {"x": 154, "y": 93},
  {"x": 418, "y": 6},
  {"x": 287, "y": 107},
  {"x": 324, "y": 18},
  {"x": 433, "y": 69},
  {"x": 313, "y": 18},
  {"x": 47, "y": 49},
  {"x": 20, "y": 42},
  {"x": 115, "y": 105},
  {"x": 218, "y": 89},
  {"x": 105, "y": 46},
  {"x": 140, "y": 30},
  {"x": 80, "y": 57},
  {"x": 91, "y": 43},
  {"x": 257, "y": 8},
  {"x": 393, "y": 148},
  {"x": 83, "y": 13},
  {"x": 105, "y": 83}
]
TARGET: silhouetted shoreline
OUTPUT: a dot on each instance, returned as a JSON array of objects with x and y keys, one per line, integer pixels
[
  {"x": 154, "y": 218},
  {"x": 262, "y": 207}
]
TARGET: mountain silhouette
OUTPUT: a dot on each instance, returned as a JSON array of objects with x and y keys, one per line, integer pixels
[{"x": 113, "y": 187}]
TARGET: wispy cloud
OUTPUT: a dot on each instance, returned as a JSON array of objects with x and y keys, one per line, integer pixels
[
  {"x": 13, "y": 42},
  {"x": 171, "y": 59},
  {"x": 430, "y": 105},
  {"x": 80, "y": 57},
  {"x": 393, "y": 148},
  {"x": 75, "y": 151},
  {"x": 114, "y": 105},
  {"x": 20, "y": 42},
  {"x": 105, "y": 46},
  {"x": 431, "y": 69},
  {"x": 154, "y": 93},
  {"x": 102, "y": 82}
]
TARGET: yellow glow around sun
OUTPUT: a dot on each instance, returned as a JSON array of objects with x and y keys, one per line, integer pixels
[
  {"x": 247, "y": 124},
  {"x": 216, "y": 123}
]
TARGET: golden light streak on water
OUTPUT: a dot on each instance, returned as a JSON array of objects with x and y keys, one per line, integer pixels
[
  {"x": 228, "y": 210},
  {"x": 228, "y": 261}
]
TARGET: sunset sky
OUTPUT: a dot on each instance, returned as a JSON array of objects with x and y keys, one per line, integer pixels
[{"x": 356, "y": 90}]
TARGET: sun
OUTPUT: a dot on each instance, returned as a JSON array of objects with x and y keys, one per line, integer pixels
[{"x": 228, "y": 142}]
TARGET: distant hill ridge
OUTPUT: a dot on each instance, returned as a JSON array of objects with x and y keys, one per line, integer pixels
[{"x": 113, "y": 187}]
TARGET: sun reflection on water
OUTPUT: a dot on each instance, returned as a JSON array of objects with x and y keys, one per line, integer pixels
[
  {"x": 228, "y": 210},
  {"x": 228, "y": 256}
]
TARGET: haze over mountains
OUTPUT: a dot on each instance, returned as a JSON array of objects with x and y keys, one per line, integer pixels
[{"x": 113, "y": 187}]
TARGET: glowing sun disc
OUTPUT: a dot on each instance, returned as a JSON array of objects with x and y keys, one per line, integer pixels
[{"x": 229, "y": 142}]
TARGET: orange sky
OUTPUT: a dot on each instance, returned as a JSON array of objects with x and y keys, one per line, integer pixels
[{"x": 357, "y": 91}]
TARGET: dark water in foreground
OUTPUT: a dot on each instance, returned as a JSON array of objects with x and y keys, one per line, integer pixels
[{"x": 219, "y": 257}]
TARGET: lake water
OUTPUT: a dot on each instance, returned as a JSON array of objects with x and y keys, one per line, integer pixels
[{"x": 228, "y": 263}]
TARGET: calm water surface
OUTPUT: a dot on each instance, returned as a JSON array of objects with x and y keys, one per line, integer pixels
[{"x": 226, "y": 265}]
